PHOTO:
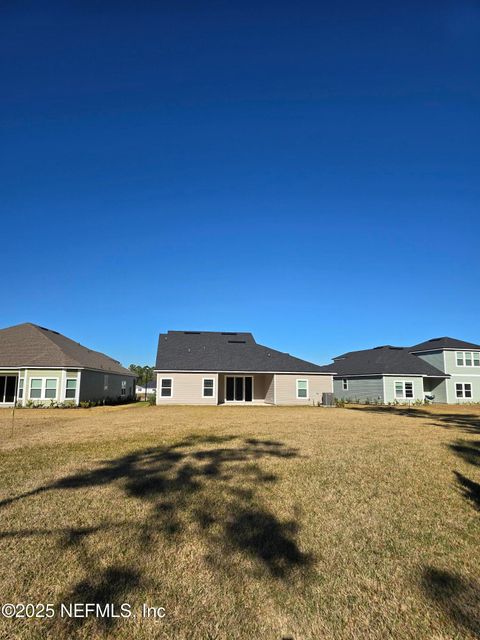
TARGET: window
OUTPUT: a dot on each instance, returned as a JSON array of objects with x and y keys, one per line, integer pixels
[
  {"x": 208, "y": 387},
  {"x": 468, "y": 359},
  {"x": 463, "y": 390},
  {"x": 51, "y": 388},
  {"x": 21, "y": 382},
  {"x": 123, "y": 392},
  {"x": 345, "y": 384},
  {"x": 403, "y": 390},
  {"x": 71, "y": 388},
  {"x": 35, "y": 388},
  {"x": 302, "y": 389},
  {"x": 166, "y": 387}
]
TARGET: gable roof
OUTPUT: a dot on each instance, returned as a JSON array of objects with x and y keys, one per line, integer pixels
[
  {"x": 225, "y": 351},
  {"x": 28, "y": 345},
  {"x": 383, "y": 360},
  {"x": 443, "y": 343}
]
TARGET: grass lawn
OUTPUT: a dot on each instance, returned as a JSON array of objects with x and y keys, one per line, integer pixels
[{"x": 244, "y": 523}]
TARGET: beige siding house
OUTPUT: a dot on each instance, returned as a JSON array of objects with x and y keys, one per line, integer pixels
[
  {"x": 41, "y": 367},
  {"x": 217, "y": 368}
]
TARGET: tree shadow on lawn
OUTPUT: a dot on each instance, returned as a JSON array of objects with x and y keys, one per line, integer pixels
[
  {"x": 468, "y": 422},
  {"x": 210, "y": 484},
  {"x": 458, "y": 597}
]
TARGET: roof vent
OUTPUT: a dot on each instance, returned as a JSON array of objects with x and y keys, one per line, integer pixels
[
  {"x": 192, "y": 333},
  {"x": 237, "y": 342},
  {"x": 229, "y": 333}
]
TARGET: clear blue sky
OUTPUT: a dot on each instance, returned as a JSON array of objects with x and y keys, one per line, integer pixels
[{"x": 308, "y": 171}]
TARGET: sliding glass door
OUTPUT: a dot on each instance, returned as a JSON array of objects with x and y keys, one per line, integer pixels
[
  {"x": 8, "y": 385},
  {"x": 238, "y": 388}
]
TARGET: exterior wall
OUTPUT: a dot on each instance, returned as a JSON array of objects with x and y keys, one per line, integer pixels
[
  {"x": 92, "y": 386},
  {"x": 389, "y": 384},
  {"x": 187, "y": 388},
  {"x": 57, "y": 374},
  {"x": 262, "y": 383},
  {"x": 447, "y": 361},
  {"x": 360, "y": 389},
  {"x": 286, "y": 388},
  {"x": 435, "y": 358},
  {"x": 270, "y": 391},
  {"x": 437, "y": 387},
  {"x": 451, "y": 389}
]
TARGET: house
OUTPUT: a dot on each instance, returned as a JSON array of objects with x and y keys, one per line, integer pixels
[
  {"x": 443, "y": 370},
  {"x": 42, "y": 366},
  {"x": 212, "y": 368},
  {"x": 149, "y": 389}
]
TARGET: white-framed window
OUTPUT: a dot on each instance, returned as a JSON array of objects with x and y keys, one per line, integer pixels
[
  {"x": 208, "y": 387},
  {"x": 302, "y": 389},
  {"x": 463, "y": 390},
  {"x": 43, "y": 388},
  {"x": 105, "y": 382},
  {"x": 51, "y": 388},
  {"x": 71, "y": 389},
  {"x": 403, "y": 390},
  {"x": 166, "y": 387},
  {"x": 123, "y": 391},
  {"x": 345, "y": 384},
  {"x": 21, "y": 384},
  {"x": 35, "y": 388},
  {"x": 468, "y": 358}
]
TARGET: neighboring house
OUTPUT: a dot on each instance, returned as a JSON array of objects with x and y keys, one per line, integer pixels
[
  {"x": 210, "y": 368},
  {"x": 443, "y": 370},
  {"x": 43, "y": 366},
  {"x": 150, "y": 389}
]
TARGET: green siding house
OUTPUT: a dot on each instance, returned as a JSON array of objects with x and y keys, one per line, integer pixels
[
  {"x": 441, "y": 370},
  {"x": 43, "y": 367}
]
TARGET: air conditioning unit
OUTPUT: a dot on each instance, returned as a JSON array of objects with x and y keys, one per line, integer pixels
[{"x": 328, "y": 399}]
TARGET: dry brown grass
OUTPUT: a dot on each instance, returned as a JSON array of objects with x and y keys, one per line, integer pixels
[{"x": 244, "y": 523}]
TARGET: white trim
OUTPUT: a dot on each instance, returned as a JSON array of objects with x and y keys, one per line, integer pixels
[
  {"x": 463, "y": 396},
  {"x": 404, "y": 396},
  {"x": 128, "y": 374},
  {"x": 63, "y": 385},
  {"x": 247, "y": 375},
  {"x": 10, "y": 404},
  {"x": 171, "y": 388},
  {"x": 391, "y": 375},
  {"x": 43, "y": 389},
  {"x": 464, "y": 359},
  {"x": 251, "y": 373},
  {"x": 213, "y": 388},
  {"x": 74, "y": 399},
  {"x": 344, "y": 380},
  {"x": 307, "y": 397},
  {"x": 465, "y": 375},
  {"x": 275, "y": 388},
  {"x": 385, "y": 390},
  {"x": 79, "y": 380}
]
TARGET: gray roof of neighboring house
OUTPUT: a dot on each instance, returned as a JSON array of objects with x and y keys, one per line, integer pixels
[
  {"x": 443, "y": 343},
  {"x": 225, "y": 351},
  {"x": 383, "y": 360},
  {"x": 28, "y": 345}
]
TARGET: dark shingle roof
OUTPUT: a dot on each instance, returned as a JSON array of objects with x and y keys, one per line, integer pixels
[
  {"x": 224, "y": 351},
  {"x": 383, "y": 360},
  {"x": 28, "y": 345},
  {"x": 443, "y": 343}
]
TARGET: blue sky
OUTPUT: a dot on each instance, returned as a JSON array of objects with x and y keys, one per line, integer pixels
[{"x": 305, "y": 171}]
